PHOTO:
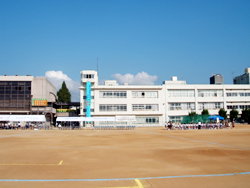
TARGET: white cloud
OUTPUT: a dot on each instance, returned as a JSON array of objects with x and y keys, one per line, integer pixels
[
  {"x": 57, "y": 78},
  {"x": 140, "y": 79}
]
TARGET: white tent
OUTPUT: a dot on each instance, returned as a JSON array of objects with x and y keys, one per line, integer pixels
[
  {"x": 4, "y": 117},
  {"x": 85, "y": 119},
  {"x": 22, "y": 118}
]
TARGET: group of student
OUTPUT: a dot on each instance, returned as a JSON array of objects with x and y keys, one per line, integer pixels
[
  {"x": 210, "y": 125},
  {"x": 18, "y": 126},
  {"x": 10, "y": 126}
]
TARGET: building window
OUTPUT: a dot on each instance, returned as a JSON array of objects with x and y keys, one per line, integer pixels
[
  {"x": 210, "y": 93},
  {"x": 112, "y": 107},
  {"x": 210, "y": 106},
  {"x": 85, "y": 110},
  {"x": 232, "y": 107},
  {"x": 146, "y": 120},
  {"x": 113, "y": 94},
  {"x": 238, "y": 94},
  {"x": 145, "y": 107},
  {"x": 85, "y": 97},
  {"x": 88, "y": 76},
  {"x": 181, "y": 106},
  {"x": 175, "y": 119},
  {"x": 144, "y": 94},
  {"x": 244, "y": 107},
  {"x": 181, "y": 93},
  {"x": 15, "y": 95}
]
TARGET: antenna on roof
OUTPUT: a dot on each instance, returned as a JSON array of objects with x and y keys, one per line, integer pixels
[{"x": 97, "y": 66}]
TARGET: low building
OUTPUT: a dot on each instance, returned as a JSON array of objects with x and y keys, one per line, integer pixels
[
  {"x": 24, "y": 95},
  {"x": 157, "y": 104},
  {"x": 244, "y": 78}
]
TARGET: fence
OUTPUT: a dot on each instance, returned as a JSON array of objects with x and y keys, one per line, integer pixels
[{"x": 195, "y": 119}]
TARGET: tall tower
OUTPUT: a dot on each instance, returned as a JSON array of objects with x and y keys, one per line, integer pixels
[{"x": 89, "y": 80}]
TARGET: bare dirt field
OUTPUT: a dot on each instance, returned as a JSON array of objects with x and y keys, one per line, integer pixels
[{"x": 142, "y": 158}]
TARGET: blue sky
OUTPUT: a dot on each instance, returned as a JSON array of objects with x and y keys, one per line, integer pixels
[{"x": 190, "y": 39}]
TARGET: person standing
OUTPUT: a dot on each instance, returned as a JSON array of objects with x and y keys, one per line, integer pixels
[{"x": 233, "y": 123}]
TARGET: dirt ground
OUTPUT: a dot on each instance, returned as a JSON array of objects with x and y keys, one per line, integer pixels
[{"x": 143, "y": 158}]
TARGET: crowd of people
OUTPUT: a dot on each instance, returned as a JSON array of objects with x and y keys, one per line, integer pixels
[
  {"x": 199, "y": 125},
  {"x": 10, "y": 126},
  {"x": 19, "y": 126}
]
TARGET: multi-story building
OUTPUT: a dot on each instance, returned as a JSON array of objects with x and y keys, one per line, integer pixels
[
  {"x": 157, "y": 104},
  {"x": 24, "y": 95},
  {"x": 244, "y": 78}
]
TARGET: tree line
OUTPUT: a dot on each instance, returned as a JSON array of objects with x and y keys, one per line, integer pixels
[{"x": 245, "y": 116}]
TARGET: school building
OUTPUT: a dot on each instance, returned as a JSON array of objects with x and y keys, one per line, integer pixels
[{"x": 153, "y": 105}]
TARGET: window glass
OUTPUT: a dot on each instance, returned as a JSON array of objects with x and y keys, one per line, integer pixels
[
  {"x": 113, "y": 94},
  {"x": 144, "y": 94},
  {"x": 181, "y": 93},
  {"x": 112, "y": 107}
]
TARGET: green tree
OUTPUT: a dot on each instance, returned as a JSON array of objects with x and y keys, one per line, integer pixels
[
  {"x": 192, "y": 117},
  {"x": 192, "y": 113},
  {"x": 223, "y": 113},
  {"x": 233, "y": 114},
  {"x": 246, "y": 115},
  {"x": 205, "y": 112},
  {"x": 63, "y": 94}
]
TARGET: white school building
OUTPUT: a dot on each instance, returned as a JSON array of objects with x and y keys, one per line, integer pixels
[{"x": 153, "y": 105}]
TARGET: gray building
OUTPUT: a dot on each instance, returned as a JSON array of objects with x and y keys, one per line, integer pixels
[
  {"x": 24, "y": 95},
  {"x": 244, "y": 78},
  {"x": 216, "y": 79}
]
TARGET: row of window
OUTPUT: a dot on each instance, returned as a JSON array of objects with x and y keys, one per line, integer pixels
[
  {"x": 113, "y": 94},
  {"x": 9, "y": 97},
  {"x": 145, "y": 94},
  {"x": 14, "y": 88},
  {"x": 238, "y": 94},
  {"x": 154, "y": 107},
  {"x": 14, "y": 83},
  {"x": 181, "y": 93},
  {"x": 191, "y": 106},
  {"x": 123, "y": 94},
  {"x": 210, "y": 106},
  {"x": 210, "y": 93},
  {"x": 145, "y": 107},
  {"x": 191, "y": 93},
  {"x": 139, "y": 120},
  {"x": 112, "y": 107},
  {"x": 147, "y": 120},
  {"x": 175, "y": 119},
  {"x": 88, "y": 75},
  {"x": 238, "y": 107},
  {"x": 171, "y": 93},
  {"x": 172, "y": 106},
  {"x": 182, "y": 106},
  {"x": 123, "y": 107}
]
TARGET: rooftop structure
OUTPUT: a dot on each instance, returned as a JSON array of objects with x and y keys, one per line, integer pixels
[
  {"x": 244, "y": 78},
  {"x": 216, "y": 79}
]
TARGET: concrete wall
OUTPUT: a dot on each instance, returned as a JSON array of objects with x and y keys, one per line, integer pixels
[{"x": 41, "y": 88}]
